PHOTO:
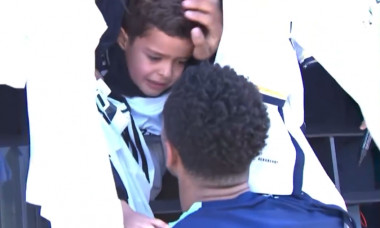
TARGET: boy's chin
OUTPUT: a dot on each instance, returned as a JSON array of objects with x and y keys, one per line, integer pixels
[
  {"x": 153, "y": 93},
  {"x": 151, "y": 89}
]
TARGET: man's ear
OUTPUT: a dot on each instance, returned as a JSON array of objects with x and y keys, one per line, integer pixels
[
  {"x": 123, "y": 39},
  {"x": 172, "y": 157}
]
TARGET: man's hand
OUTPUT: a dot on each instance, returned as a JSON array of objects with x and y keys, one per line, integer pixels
[
  {"x": 208, "y": 14},
  {"x": 98, "y": 75},
  {"x": 363, "y": 126},
  {"x": 134, "y": 219}
]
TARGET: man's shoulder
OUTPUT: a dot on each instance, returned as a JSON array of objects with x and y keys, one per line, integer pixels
[
  {"x": 258, "y": 210},
  {"x": 220, "y": 213},
  {"x": 199, "y": 219}
]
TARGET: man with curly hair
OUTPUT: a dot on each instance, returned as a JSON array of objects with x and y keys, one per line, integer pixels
[{"x": 215, "y": 124}]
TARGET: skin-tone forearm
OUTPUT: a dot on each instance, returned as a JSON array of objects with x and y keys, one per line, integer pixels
[
  {"x": 208, "y": 14},
  {"x": 134, "y": 219}
]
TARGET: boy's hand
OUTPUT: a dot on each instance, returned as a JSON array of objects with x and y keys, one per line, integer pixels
[
  {"x": 208, "y": 14},
  {"x": 134, "y": 219}
]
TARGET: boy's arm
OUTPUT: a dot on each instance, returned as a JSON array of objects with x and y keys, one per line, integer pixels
[
  {"x": 209, "y": 14},
  {"x": 131, "y": 218},
  {"x": 134, "y": 219}
]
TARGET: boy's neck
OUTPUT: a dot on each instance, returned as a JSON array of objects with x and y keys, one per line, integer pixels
[{"x": 193, "y": 190}]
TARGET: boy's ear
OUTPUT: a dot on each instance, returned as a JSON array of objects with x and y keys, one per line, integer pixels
[{"x": 122, "y": 39}]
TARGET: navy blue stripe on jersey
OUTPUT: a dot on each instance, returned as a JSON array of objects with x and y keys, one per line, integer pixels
[
  {"x": 298, "y": 168},
  {"x": 273, "y": 100},
  {"x": 100, "y": 100},
  {"x": 120, "y": 189},
  {"x": 281, "y": 113},
  {"x": 134, "y": 145},
  {"x": 140, "y": 149},
  {"x": 104, "y": 116},
  {"x": 299, "y": 164},
  {"x": 111, "y": 111},
  {"x": 131, "y": 146}
]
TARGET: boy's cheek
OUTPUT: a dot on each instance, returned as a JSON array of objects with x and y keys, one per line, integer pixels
[{"x": 178, "y": 72}]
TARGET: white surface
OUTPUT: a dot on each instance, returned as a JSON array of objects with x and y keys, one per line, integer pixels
[
  {"x": 340, "y": 37},
  {"x": 51, "y": 44}
]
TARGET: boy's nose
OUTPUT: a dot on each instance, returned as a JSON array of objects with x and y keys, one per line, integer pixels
[{"x": 166, "y": 70}]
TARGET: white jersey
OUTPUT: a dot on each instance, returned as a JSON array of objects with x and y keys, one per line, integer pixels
[
  {"x": 129, "y": 153},
  {"x": 259, "y": 48},
  {"x": 125, "y": 121}
]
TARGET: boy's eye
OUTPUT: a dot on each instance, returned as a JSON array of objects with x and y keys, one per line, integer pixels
[
  {"x": 182, "y": 62},
  {"x": 154, "y": 58}
]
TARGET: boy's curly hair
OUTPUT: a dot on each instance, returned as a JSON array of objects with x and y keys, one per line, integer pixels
[
  {"x": 216, "y": 120},
  {"x": 165, "y": 15}
]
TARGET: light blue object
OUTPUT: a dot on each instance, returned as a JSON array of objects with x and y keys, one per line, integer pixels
[{"x": 191, "y": 210}]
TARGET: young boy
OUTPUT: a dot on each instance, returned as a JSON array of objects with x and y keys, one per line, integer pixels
[
  {"x": 154, "y": 46},
  {"x": 215, "y": 124}
]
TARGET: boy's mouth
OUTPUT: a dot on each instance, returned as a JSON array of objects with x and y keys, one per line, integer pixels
[{"x": 156, "y": 85}]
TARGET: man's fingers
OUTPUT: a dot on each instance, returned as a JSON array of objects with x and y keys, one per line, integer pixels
[
  {"x": 197, "y": 37},
  {"x": 200, "y": 5},
  {"x": 202, "y": 49},
  {"x": 159, "y": 223},
  {"x": 211, "y": 22},
  {"x": 98, "y": 75},
  {"x": 208, "y": 14},
  {"x": 363, "y": 126},
  {"x": 145, "y": 226},
  {"x": 200, "y": 17}
]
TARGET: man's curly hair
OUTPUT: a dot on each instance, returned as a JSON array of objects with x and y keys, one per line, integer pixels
[
  {"x": 216, "y": 120},
  {"x": 165, "y": 15}
]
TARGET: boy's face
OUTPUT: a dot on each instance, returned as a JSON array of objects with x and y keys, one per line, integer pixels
[{"x": 155, "y": 61}]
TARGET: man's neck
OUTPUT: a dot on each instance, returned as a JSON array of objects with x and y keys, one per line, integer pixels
[{"x": 192, "y": 191}]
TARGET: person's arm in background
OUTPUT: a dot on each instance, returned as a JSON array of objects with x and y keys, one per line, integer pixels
[{"x": 209, "y": 14}]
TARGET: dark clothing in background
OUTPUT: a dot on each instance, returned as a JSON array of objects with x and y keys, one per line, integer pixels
[{"x": 112, "y": 11}]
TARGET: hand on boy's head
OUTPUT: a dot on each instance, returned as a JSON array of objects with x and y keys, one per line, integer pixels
[{"x": 208, "y": 14}]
